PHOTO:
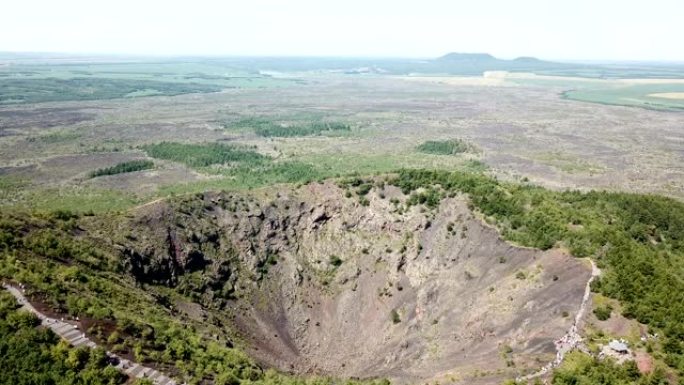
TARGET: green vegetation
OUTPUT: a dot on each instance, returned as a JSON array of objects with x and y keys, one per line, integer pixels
[
  {"x": 77, "y": 277},
  {"x": 335, "y": 261},
  {"x": 32, "y": 355},
  {"x": 637, "y": 239},
  {"x": 637, "y": 95},
  {"x": 204, "y": 155},
  {"x": 123, "y": 167},
  {"x": 603, "y": 312},
  {"x": 263, "y": 266},
  {"x": 394, "y": 316},
  {"x": 237, "y": 176},
  {"x": 444, "y": 147},
  {"x": 11, "y": 187},
  {"x": 568, "y": 163},
  {"x": 267, "y": 128},
  {"x": 76, "y": 199},
  {"x": 430, "y": 197},
  {"x": 56, "y": 137},
  {"x": 579, "y": 368},
  {"x": 17, "y": 90}
]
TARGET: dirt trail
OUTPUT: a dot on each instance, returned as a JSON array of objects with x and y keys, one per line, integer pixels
[
  {"x": 77, "y": 338},
  {"x": 572, "y": 339}
]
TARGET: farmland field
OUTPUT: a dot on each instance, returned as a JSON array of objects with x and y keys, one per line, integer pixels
[{"x": 637, "y": 95}]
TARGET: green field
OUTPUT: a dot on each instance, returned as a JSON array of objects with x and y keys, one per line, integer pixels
[
  {"x": 613, "y": 92},
  {"x": 631, "y": 95},
  {"x": 35, "y": 83}
]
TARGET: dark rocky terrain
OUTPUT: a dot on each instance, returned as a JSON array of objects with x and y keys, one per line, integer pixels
[{"x": 312, "y": 281}]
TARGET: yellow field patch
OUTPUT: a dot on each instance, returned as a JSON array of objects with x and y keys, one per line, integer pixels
[
  {"x": 458, "y": 80},
  {"x": 668, "y": 95}
]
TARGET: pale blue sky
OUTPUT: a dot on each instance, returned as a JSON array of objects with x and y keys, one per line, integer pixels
[{"x": 568, "y": 29}]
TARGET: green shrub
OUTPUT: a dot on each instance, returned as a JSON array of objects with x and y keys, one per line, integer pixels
[
  {"x": 203, "y": 155},
  {"x": 603, "y": 312},
  {"x": 394, "y": 316},
  {"x": 364, "y": 189},
  {"x": 124, "y": 167},
  {"x": 443, "y": 147},
  {"x": 335, "y": 261},
  {"x": 270, "y": 129},
  {"x": 580, "y": 368}
]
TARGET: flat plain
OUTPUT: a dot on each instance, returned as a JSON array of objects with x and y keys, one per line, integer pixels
[{"x": 519, "y": 128}]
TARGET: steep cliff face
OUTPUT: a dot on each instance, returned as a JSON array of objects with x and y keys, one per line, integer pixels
[{"x": 316, "y": 282}]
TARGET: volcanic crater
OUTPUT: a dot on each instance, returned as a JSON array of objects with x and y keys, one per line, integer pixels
[{"x": 316, "y": 281}]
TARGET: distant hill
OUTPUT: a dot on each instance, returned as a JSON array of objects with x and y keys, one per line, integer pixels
[
  {"x": 528, "y": 59},
  {"x": 456, "y": 56},
  {"x": 477, "y": 63}
]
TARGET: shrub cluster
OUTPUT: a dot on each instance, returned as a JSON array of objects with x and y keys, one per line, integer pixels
[
  {"x": 32, "y": 355},
  {"x": 205, "y": 154},
  {"x": 444, "y": 147},
  {"x": 124, "y": 167},
  {"x": 268, "y": 128}
]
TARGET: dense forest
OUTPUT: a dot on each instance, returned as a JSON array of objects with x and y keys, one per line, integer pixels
[
  {"x": 123, "y": 167},
  {"x": 444, "y": 147},
  {"x": 315, "y": 128},
  {"x": 205, "y": 154},
  {"x": 266, "y": 127},
  {"x": 32, "y": 355}
]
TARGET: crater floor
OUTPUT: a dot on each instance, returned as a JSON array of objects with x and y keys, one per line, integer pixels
[{"x": 461, "y": 298}]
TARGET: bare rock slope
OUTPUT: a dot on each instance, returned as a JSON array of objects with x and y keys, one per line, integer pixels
[{"x": 315, "y": 282}]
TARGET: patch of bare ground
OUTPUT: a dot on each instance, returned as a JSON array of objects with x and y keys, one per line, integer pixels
[
  {"x": 148, "y": 181},
  {"x": 668, "y": 95},
  {"x": 369, "y": 291},
  {"x": 459, "y": 80},
  {"x": 616, "y": 325},
  {"x": 13, "y": 118},
  {"x": 73, "y": 168}
]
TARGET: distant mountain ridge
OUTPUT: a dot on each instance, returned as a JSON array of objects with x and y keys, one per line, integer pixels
[
  {"x": 454, "y": 56},
  {"x": 487, "y": 61}
]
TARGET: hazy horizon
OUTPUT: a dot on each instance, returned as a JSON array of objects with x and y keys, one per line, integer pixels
[
  {"x": 583, "y": 31},
  {"x": 124, "y": 55}
]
